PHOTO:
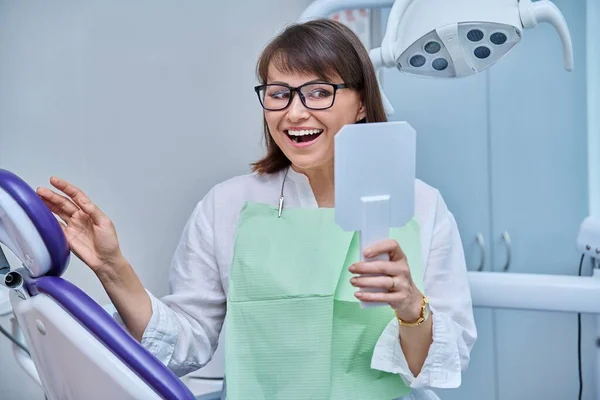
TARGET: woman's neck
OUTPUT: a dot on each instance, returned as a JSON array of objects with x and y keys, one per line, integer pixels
[{"x": 322, "y": 184}]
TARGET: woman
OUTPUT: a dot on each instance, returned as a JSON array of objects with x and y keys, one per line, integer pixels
[{"x": 287, "y": 276}]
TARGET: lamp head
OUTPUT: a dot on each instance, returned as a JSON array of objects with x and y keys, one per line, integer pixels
[
  {"x": 453, "y": 39},
  {"x": 458, "y": 49}
]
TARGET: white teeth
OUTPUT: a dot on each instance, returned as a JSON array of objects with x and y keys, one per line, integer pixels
[{"x": 304, "y": 132}]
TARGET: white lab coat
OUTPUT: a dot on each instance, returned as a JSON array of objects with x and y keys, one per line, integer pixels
[{"x": 185, "y": 325}]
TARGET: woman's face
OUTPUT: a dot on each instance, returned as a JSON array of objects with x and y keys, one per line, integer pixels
[{"x": 306, "y": 136}]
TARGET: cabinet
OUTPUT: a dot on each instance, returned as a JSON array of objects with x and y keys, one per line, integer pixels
[
  {"x": 451, "y": 120},
  {"x": 508, "y": 151}
]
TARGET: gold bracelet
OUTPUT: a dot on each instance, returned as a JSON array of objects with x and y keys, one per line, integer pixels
[{"x": 422, "y": 318}]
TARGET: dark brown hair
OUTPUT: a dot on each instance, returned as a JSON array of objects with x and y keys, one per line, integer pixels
[{"x": 324, "y": 48}]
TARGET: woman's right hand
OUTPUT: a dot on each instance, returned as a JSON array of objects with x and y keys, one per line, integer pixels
[
  {"x": 93, "y": 239},
  {"x": 89, "y": 232}
]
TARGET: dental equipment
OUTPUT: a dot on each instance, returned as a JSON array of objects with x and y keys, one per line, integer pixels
[
  {"x": 451, "y": 39},
  {"x": 79, "y": 350}
]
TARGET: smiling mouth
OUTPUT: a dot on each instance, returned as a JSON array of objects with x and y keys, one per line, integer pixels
[{"x": 304, "y": 136}]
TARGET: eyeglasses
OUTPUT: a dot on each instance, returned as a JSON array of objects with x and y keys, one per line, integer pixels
[{"x": 314, "y": 96}]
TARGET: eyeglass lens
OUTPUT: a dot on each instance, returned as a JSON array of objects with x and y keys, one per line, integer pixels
[{"x": 316, "y": 96}]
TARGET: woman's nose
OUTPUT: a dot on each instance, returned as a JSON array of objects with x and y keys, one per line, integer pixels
[{"x": 296, "y": 110}]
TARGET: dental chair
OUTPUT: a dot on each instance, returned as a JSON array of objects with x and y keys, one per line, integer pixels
[{"x": 79, "y": 351}]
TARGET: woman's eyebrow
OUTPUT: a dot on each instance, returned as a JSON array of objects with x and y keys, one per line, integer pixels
[{"x": 286, "y": 84}]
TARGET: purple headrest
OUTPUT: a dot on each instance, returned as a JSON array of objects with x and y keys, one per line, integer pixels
[{"x": 42, "y": 218}]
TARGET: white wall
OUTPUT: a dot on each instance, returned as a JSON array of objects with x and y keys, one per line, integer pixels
[{"x": 143, "y": 104}]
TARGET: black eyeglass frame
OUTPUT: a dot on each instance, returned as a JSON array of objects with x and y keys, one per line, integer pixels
[{"x": 335, "y": 86}]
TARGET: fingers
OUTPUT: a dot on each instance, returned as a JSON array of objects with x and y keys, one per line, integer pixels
[
  {"x": 57, "y": 211},
  {"x": 383, "y": 281},
  {"x": 379, "y": 267},
  {"x": 58, "y": 204},
  {"x": 388, "y": 246},
  {"x": 73, "y": 192},
  {"x": 391, "y": 298},
  {"x": 80, "y": 199},
  {"x": 377, "y": 282}
]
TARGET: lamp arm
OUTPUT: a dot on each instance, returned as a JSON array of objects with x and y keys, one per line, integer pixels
[
  {"x": 391, "y": 31},
  {"x": 533, "y": 13},
  {"x": 377, "y": 60}
]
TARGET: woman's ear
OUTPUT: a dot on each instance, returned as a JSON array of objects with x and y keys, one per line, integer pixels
[{"x": 362, "y": 113}]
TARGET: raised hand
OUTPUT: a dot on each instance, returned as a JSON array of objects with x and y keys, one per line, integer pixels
[{"x": 90, "y": 233}]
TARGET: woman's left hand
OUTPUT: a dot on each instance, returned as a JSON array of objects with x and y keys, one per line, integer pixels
[{"x": 400, "y": 292}]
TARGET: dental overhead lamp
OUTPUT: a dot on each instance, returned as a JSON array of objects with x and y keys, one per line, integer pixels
[{"x": 451, "y": 38}]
